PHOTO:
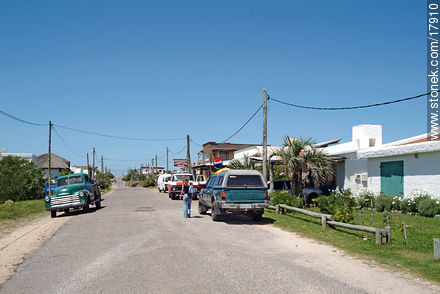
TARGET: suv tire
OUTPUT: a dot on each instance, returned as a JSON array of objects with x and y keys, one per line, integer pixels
[
  {"x": 257, "y": 216},
  {"x": 202, "y": 208},
  {"x": 215, "y": 215}
]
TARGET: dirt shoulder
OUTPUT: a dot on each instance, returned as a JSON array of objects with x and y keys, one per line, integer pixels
[{"x": 337, "y": 264}]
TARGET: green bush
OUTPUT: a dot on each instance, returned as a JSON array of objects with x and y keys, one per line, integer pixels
[
  {"x": 427, "y": 207},
  {"x": 284, "y": 197},
  {"x": 384, "y": 202},
  {"x": 408, "y": 205},
  {"x": 20, "y": 180},
  {"x": 364, "y": 198},
  {"x": 340, "y": 204},
  {"x": 104, "y": 180}
]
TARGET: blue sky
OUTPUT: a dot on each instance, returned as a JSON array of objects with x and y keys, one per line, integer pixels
[{"x": 164, "y": 69}]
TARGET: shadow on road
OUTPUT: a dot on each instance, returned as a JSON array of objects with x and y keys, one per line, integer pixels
[
  {"x": 80, "y": 211},
  {"x": 240, "y": 219}
]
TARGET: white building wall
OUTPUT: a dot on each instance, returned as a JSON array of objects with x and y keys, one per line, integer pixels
[
  {"x": 353, "y": 168},
  {"x": 419, "y": 171}
]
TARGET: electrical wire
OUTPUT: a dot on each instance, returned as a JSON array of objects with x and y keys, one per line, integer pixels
[
  {"x": 253, "y": 115},
  {"x": 67, "y": 145},
  {"x": 197, "y": 144},
  {"x": 349, "y": 107},
  {"x": 184, "y": 147},
  {"x": 116, "y": 137},
  {"x": 22, "y": 120}
]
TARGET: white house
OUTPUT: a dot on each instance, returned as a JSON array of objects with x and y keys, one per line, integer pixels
[
  {"x": 395, "y": 168},
  {"x": 79, "y": 169}
]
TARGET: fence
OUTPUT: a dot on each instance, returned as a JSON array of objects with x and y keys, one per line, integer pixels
[{"x": 382, "y": 235}]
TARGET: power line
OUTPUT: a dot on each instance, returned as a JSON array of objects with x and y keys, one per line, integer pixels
[
  {"x": 117, "y": 159},
  {"x": 349, "y": 107},
  {"x": 184, "y": 147},
  {"x": 253, "y": 115},
  {"x": 200, "y": 145},
  {"x": 22, "y": 120},
  {"x": 116, "y": 137},
  {"x": 64, "y": 142}
]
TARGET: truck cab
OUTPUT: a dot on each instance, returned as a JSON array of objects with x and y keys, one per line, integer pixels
[{"x": 73, "y": 191}]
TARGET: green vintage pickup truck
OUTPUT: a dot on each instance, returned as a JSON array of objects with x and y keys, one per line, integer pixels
[{"x": 73, "y": 191}]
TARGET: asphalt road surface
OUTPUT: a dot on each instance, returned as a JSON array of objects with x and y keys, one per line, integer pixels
[{"x": 139, "y": 242}]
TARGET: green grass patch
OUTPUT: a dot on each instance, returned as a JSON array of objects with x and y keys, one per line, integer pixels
[
  {"x": 417, "y": 257},
  {"x": 22, "y": 209}
]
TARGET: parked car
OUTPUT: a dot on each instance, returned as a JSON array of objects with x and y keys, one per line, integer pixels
[
  {"x": 285, "y": 185},
  {"x": 175, "y": 184},
  {"x": 73, "y": 191},
  {"x": 162, "y": 181},
  {"x": 235, "y": 191}
]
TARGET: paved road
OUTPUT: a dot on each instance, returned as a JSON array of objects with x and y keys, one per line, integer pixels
[{"x": 139, "y": 242}]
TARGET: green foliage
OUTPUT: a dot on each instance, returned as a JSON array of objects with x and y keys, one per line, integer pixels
[
  {"x": 244, "y": 163},
  {"x": 104, "y": 180},
  {"x": 66, "y": 172},
  {"x": 340, "y": 204},
  {"x": 149, "y": 182},
  {"x": 127, "y": 178},
  {"x": 20, "y": 180},
  {"x": 428, "y": 207},
  {"x": 21, "y": 209},
  {"x": 284, "y": 197},
  {"x": 364, "y": 198},
  {"x": 408, "y": 205},
  {"x": 385, "y": 202}
]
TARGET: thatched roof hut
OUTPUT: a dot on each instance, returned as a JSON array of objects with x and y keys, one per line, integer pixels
[{"x": 57, "y": 162}]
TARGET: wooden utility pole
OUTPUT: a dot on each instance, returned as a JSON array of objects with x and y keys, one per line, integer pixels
[
  {"x": 50, "y": 157},
  {"x": 167, "y": 158},
  {"x": 265, "y": 134},
  {"x": 188, "y": 155},
  {"x": 88, "y": 166},
  {"x": 102, "y": 164},
  {"x": 93, "y": 160},
  {"x": 156, "y": 161}
]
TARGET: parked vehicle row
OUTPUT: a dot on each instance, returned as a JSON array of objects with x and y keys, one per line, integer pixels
[{"x": 74, "y": 191}]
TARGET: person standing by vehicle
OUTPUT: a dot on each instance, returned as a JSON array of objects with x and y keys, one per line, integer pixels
[{"x": 186, "y": 199}]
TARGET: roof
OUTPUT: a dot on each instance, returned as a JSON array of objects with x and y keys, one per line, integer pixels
[
  {"x": 385, "y": 151},
  {"x": 56, "y": 161},
  {"x": 227, "y": 146}
]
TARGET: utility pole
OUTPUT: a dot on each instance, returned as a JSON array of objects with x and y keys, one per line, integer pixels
[
  {"x": 265, "y": 134},
  {"x": 102, "y": 164},
  {"x": 50, "y": 155},
  {"x": 93, "y": 168},
  {"x": 167, "y": 158},
  {"x": 156, "y": 161},
  {"x": 88, "y": 166},
  {"x": 188, "y": 154}
]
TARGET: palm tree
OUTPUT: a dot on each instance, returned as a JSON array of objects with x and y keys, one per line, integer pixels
[
  {"x": 241, "y": 164},
  {"x": 300, "y": 156}
]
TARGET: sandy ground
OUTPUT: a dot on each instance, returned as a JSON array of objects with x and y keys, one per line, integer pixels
[
  {"x": 14, "y": 246},
  {"x": 336, "y": 263}
]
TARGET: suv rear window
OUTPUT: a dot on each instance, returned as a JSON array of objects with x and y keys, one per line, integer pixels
[{"x": 244, "y": 181}]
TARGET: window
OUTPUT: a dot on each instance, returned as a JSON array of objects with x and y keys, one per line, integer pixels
[
  {"x": 245, "y": 181},
  {"x": 220, "y": 181},
  {"x": 181, "y": 177},
  {"x": 210, "y": 182},
  {"x": 372, "y": 142},
  {"x": 69, "y": 181}
]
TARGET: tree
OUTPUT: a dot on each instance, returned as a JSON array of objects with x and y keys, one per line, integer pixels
[
  {"x": 241, "y": 164},
  {"x": 66, "y": 171},
  {"x": 299, "y": 157},
  {"x": 20, "y": 179}
]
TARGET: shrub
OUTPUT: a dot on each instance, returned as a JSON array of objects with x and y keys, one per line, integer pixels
[
  {"x": 427, "y": 207},
  {"x": 104, "y": 180},
  {"x": 385, "y": 202},
  {"x": 364, "y": 198},
  {"x": 340, "y": 204},
  {"x": 20, "y": 180},
  {"x": 408, "y": 205},
  {"x": 284, "y": 197}
]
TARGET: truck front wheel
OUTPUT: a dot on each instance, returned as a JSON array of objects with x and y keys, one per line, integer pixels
[{"x": 53, "y": 213}]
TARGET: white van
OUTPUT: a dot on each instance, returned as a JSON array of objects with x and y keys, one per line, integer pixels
[{"x": 162, "y": 182}]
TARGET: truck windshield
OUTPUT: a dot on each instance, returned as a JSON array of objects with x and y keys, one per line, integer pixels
[
  {"x": 236, "y": 181},
  {"x": 69, "y": 181},
  {"x": 181, "y": 177}
]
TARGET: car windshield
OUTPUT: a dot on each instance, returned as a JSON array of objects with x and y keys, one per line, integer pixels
[
  {"x": 181, "y": 177},
  {"x": 69, "y": 181},
  {"x": 244, "y": 181}
]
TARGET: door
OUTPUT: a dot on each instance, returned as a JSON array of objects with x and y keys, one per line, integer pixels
[{"x": 391, "y": 178}]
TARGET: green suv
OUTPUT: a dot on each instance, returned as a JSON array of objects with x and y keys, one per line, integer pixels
[{"x": 73, "y": 191}]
